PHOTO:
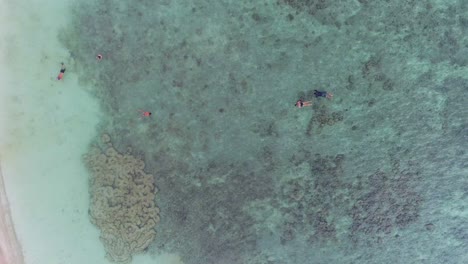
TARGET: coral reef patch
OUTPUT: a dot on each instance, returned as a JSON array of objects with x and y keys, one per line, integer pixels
[
  {"x": 122, "y": 201},
  {"x": 314, "y": 204},
  {"x": 325, "y": 11},
  {"x": 321, "y": 118},
  {"x": 210, "y": 216},
  {"x": 390, "y": 204},
  {"x": 311, "y": 201}
]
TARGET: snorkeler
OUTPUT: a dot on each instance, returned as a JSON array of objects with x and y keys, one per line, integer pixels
[
  {"x": 300, "y": 103},
  {"x": 144, "y": 113},
  {"x": 323, "y": 94},
  {"x": 62, "y": 72}
]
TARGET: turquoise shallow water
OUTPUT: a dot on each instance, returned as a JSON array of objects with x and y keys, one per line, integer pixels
[{"x": 375, "y": 175}]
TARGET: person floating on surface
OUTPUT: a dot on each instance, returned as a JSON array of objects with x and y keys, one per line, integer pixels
[
  {"x": 323, "y": 94},
  {"x": 62, "y": 72},
  {"x": 144, "y": 113},
  {"x": 300, "y": 103}
]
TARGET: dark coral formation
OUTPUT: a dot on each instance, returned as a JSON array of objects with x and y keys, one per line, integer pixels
[
  {"x": 208, "y": 222},
  {"x": 373, "y": 72},
  {"x": 322, "y": 117},
  {"x": 309, "y": 201},
  {"x": 430, "y": 32},
  {"x": 310, "y": 6},
  {"x": 327, "y": 12},
  {"x": 323, "y": 10},
  {"x": 391, "y": 203},
  {"x": 314, "y": 204}
]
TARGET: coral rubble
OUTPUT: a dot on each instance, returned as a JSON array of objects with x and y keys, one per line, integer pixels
[{"x": 122, "y": 202}]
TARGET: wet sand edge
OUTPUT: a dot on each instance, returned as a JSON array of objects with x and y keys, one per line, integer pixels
[{"x": 10, "y": 248}]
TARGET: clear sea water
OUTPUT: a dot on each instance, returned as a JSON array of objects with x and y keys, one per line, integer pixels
[{"x": 377, "y": 174}]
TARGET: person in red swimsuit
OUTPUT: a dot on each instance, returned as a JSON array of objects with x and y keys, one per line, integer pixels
[
  {"x": 62, "y": 72},
  {"x": 145, "y": 113}
]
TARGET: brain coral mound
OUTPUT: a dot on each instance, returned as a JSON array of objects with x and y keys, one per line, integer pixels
[{"x": 122, "y": 202}]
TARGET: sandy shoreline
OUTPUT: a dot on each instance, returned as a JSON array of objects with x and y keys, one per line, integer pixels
[{"x": 10, "y": 248}]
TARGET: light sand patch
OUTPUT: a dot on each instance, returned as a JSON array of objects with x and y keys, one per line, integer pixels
[{"x": 162, "y": 259}]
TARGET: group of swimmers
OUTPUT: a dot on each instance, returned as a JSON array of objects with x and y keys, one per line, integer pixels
[
  {"x": 99, "y": 57},
  {"x": 63, "y": 68},
  {"x": 299, "y": 104}
]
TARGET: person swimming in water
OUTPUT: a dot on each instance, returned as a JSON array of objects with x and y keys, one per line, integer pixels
[
  {"x": 323, "y": 94},
  {"x": 62, "y": 72},
  {"x": 300, "y": 103},
  {"x": 144, "y": 113}
]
